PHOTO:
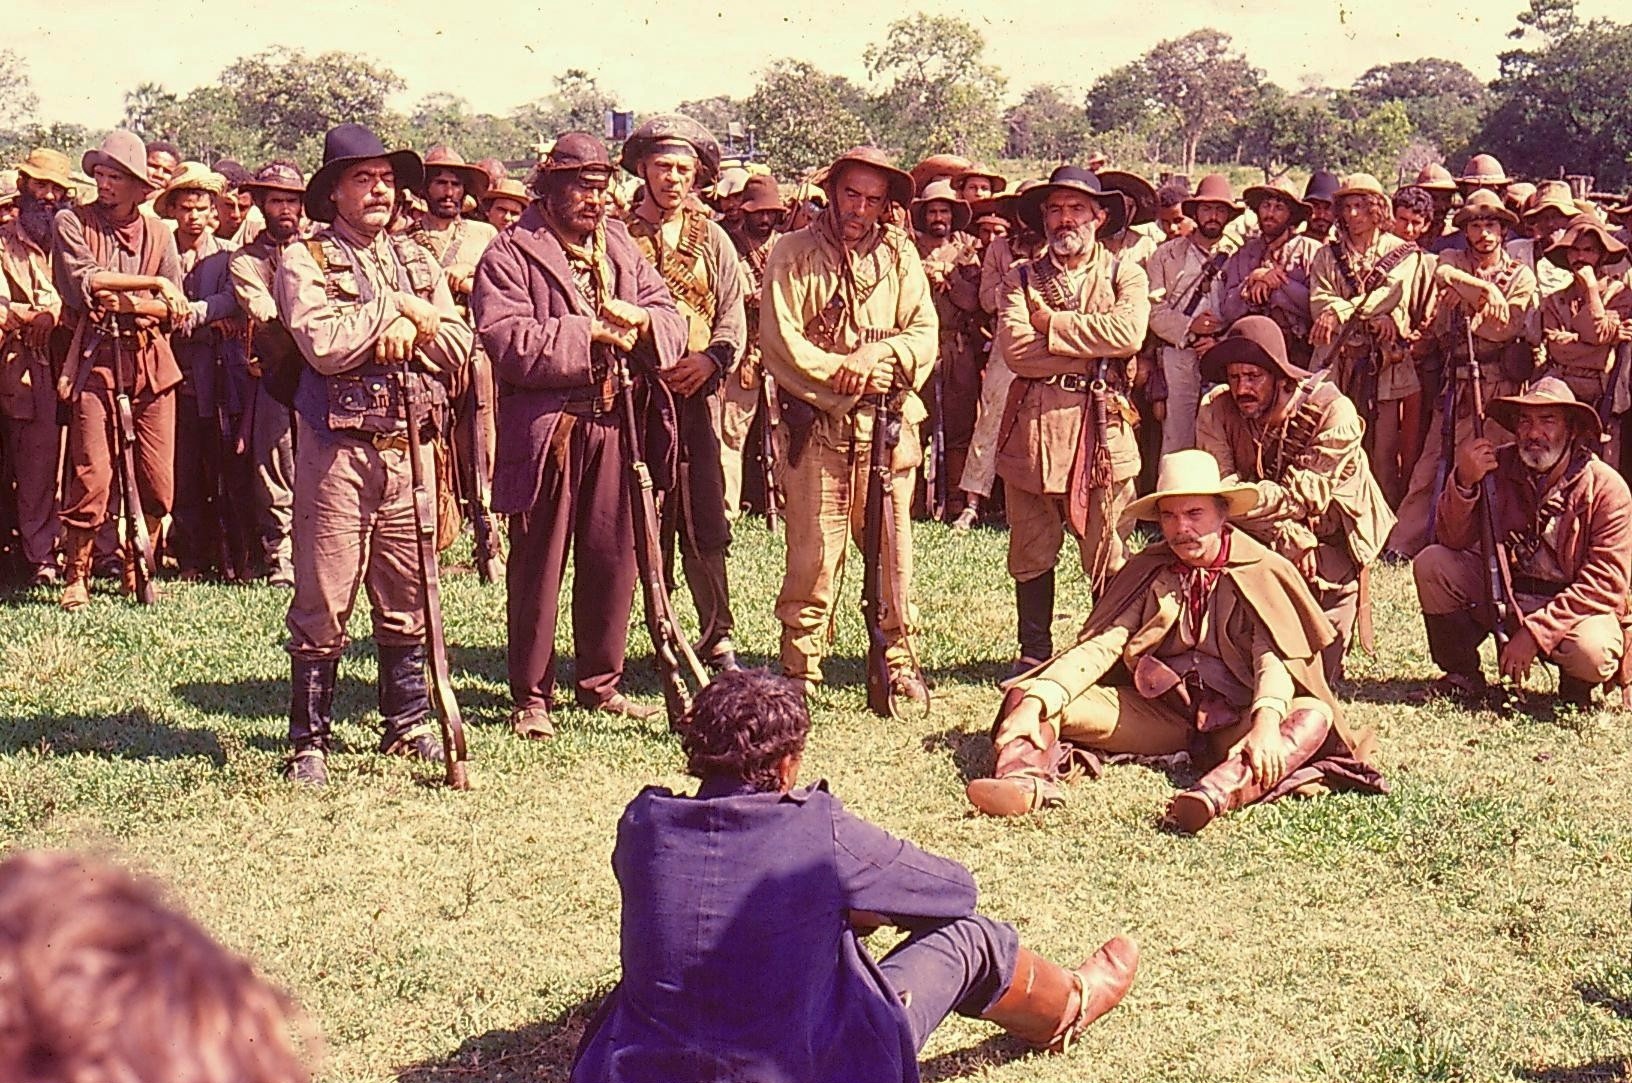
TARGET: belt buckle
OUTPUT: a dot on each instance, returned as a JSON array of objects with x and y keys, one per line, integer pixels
[
  {"x": 389, "y": 441},
  {"x": 1074, "y": 382}
]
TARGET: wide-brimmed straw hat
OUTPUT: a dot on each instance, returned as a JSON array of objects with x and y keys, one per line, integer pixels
[
  {"x": 940, "y": 192},
  {"x": 473, "y": 176},
  {"x": 1251, "y": 340},
  {"x": 1550, "y": 392},
  {"x": 121, "y": 150},
  {"x": 1213, "y": 188},
  {"x": 1279, "y": 188},
  {"x": 902, "y": 188},
  {"x": 1484, "y": 203},
  {"x": 1581, "y": 225},
  {"x": 1074, "y": 178},
  {"x": 188, "y": 177},
  {"x": 678, "y": 130},
  {"x": 1551, "y": 195},
  {"x": 506, "y": 189},
  {"x": 999, "y": 182},
  {"x": 1191, "y": 472},
  {"x": 344, "y": 145},
  {"x": 1360, "y": 184},
  {"x": 45, "y": 164}
]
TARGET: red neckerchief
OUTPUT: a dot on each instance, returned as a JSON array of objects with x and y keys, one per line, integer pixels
[{"x": 1196, "y": 584}]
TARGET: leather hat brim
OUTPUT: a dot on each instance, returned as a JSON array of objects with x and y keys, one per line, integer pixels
[
  {"x": 1115, "y": 203},
  {"x": 405, "y": 164},
  {"x": 477, "y": 182}
]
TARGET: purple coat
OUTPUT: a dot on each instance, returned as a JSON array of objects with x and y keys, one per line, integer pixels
[
  {"x": 739, "y": 962},
  {"x": 535, "y": 327}
]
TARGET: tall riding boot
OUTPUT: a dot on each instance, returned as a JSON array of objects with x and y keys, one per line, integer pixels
[
  {"x": 1047, "y": 1005},
  {"x": 1034, "y": 601},
  {"x": 1026, "y": 777},
  {"x": 1453, "y": 643},
  {"x": 311, "y": 705},
  {"x": 1230, "y": 785},
  {"x": 77, "y": 544},
  {"x": 405, "y": 705}
]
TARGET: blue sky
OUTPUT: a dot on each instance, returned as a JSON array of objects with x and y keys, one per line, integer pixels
[{"x": 84, "y": 54}]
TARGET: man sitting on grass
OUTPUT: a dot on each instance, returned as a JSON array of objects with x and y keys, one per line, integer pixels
[
  {"x": 1222, "y": 641},
  {"x": 743, "y": 909}
]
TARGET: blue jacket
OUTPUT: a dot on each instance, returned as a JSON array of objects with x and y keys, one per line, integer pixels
[{"x": 739, "y": 962}]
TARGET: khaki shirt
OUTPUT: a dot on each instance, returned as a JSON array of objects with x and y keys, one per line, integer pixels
[
  {"x": 1578, "y": 342},
  {"x": 1329, "y": 289},
  {"x": 1174, "y": 270},
  {"x": 806, "y": 270},
  {"x": 25, "y": 291}
]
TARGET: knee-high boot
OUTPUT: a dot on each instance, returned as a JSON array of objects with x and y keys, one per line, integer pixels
[
  {"x": 1026, "y": 777},
  {"x": 1047, "y": 1005},
  {"x": 1230, "y": 785}
]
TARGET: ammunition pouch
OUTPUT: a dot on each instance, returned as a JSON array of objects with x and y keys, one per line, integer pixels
[
  {"x": 798, "y": 417},
  {"x": 368, "y": 400}
]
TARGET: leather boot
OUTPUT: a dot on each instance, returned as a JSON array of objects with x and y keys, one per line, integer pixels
[
  {"x": 405, "y": 705},
  {"x": 1047, "y": 1006},
  {"x": 311, "y": 705},
  {"x": 1024, "y": 779},
  {"x": 77, "y": 545},
  {"x": 1034, "y": 601},
  {"x": 1230, "y": 785},
  {"x": 1575, "y": 691},
  {"x": 1453, "y": 643}
]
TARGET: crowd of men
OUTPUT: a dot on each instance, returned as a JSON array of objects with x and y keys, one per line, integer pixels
[{"x": 321, "y": 380}]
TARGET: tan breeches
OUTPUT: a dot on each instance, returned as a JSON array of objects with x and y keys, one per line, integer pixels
[{"x": 1037, "y": 529}]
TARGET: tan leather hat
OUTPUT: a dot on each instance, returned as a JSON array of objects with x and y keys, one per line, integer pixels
[
  {"x": 1483, "y": 171},
  {"x": 1192, "y": 472},
  {"x": 1484, "y": 204},
  {"x": 45, "y": 164},
  {"x": 1279, "y": 188},
  {"x": 1213, "y": 188},
  {"x": 1435, "y": 178},
  {"x": 121, "y": 150},
  {"x": 940, "y": 192},
  {"x": 1549, "y": 391},
  {"x": 902, "y": 188}
]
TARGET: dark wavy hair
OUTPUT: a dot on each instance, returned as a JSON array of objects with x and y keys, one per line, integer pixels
[
  {"x": 1417, "y": 201},
  {"x": 742, "y": 725}
]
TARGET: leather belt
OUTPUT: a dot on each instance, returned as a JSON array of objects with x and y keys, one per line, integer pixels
[
  {"x": 1523, "y": 584},
  {"x": 389, "y": 441},
  {"x": 1078, "y": 383}
]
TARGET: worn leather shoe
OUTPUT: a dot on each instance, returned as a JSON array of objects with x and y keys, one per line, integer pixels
[
  {"x": 308, "y": 767},
  {"x": 418, "y": 743},
  {"x": 624, "y": 707},
  {"x": 532, "y": 723}
]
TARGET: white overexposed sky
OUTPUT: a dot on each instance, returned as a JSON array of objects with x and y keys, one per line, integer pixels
[{"x": 83, "y": 55}]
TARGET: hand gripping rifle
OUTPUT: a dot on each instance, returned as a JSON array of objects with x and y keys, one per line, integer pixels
[
  {"x": 1498, "y": 576},
  {"x": 1606, "y": 401},
  {"x": 138, "y": 542},
  {"x": 415, "y": 416},
  {"x": 886, "y": 435},
  {"x": 670, "y": 648}
]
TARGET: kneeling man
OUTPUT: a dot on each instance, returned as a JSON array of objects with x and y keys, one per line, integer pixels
[
  {"x": 1222, "y": 641},
  {"x": 1566, "y": 519},
  {"x": 742, "y": 907}
]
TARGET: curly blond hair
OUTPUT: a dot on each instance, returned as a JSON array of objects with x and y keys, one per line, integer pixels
[{"x": 102, "y": 982}]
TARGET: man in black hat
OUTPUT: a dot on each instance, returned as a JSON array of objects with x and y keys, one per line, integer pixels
[
  {"x": 1320, "y": 196},
  {"x": 1296, "y": 439},
  {"x": 1072, "y": 320},
  {"x": 277, "y": 190},
  {"x": 562, "y": 300},
  {"x": 674, "y": 155},
  {"x": 1565, "y": 519},
  {"x": 374, "y": 321}
]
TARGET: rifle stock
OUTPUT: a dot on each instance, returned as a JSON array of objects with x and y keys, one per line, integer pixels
[
  {"x": 452, "y": 722},
  {"x": 935, "y": 463},
  {"x": 1498, "y": 576},
  {"x": 769, "y": 423}
]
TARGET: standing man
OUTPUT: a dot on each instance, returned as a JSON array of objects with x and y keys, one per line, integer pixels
[
  {"x": 1269, "y": 274},
  {"x": 1565, "y": 518},
  {"x": 375, "y": 322},
  {"x": 1071, "y": 322},
  {"x": 237, "y": 218},
  {"x": 119, "y": 277},
  {"x": 758, "y": 228},
  {"x": 278, "y": 190},
  {"x": 977, "y": 183},
  {"x": 1545, "y": 217},
  {"x": 1184, "y": 273},
  {"x": 30, "y": 310},
  {"x": 1320, "y": 196},
  {"x": 847, "y": 314},
  {"x": 1296, "y": 439},
  {"x": 1487, "y": 298},
  {"x": 673, "y": 156},
  {"x": 1587, "y": 326},
  {"x": 562, "y": 301},
  {"x": 951, "y": 260},
  {"x": 212, "y": 367}
]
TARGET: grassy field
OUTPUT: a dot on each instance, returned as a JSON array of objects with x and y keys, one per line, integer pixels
[{"x": 1472, "y": 925}]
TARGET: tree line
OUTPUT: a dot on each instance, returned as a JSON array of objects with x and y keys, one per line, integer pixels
[{"x": 1561, "y": 103}]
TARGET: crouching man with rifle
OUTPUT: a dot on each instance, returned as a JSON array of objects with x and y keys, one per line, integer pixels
[
  {"x": 119, "y": 277},
  {"x": 381, "y": 341},
  {"x": 561, "y": 301},
  {"x": 1535, "y": 541},
  {"x": 846, "y": 312}
]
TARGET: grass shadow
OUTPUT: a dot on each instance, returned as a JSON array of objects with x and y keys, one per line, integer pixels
[
  {"x": 972, "y": 753},
  {"x": 132, "y": 734},
  {"x": 961, "y": 1063},
  {"x": 1597, "y": 1071},
  {"x": 538, "y": 1052},
  {"x": 1614, "y": 1001}
]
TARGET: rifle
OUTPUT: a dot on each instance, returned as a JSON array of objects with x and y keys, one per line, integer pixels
[
  {"x": 1095, "y": 476},
  {"x": 138, "y": 541},
  {"x": 1606, "y": 401},
  {"x": 1498, "y": 576},
  {"x": 430, "y": 587},
  {"x": 1447, "y": 443},
  {"x": 769, "y": 423},
  {"x": 1204, "y": 282},
  {"x": 935, "y": 487},
  {"x": 669, "y": 647},
  {"x": 886, "y": 435},
  {"x": 231, "y": 550},
  {"x": 489, "y": 561}
]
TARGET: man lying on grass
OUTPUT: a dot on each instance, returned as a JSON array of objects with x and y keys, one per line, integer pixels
[
  {"x": 743, "y": 909},
  {"x": 1222, "y": 641}
]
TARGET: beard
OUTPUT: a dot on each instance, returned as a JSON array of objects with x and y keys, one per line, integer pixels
[
  {"x": 1212, "y": 230},
  {"x": 1542, "y": 455},
  {"x": 34, "y": 216},
  {"x": 939, "y": 230},
  {"x": 1069, "y": 242}
]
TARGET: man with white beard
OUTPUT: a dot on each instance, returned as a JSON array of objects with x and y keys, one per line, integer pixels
[
  {"x": 1069, "y": 325},
  {"x": 1565, "y": 519}
]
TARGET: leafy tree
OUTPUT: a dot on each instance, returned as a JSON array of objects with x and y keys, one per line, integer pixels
[
  {"x": 1201, "y": 84},
  {"x": 17, "y": 99},
  {"x": 144, "y": 107},
  {"x": 716, "y": 113},
  {"x": 578, "y": 104},
  {"x": 289, "y": 98},
  {"x": 1046, "y": 125},
  {"x": 1120, "y": 101},
  {"x": 803, "y": 117},
  {"x": 942, "y": 95},
  {"x": 1444, "y": 100}
]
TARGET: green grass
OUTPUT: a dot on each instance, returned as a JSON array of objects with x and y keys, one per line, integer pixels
[{"x": 1472, "y": 925}]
